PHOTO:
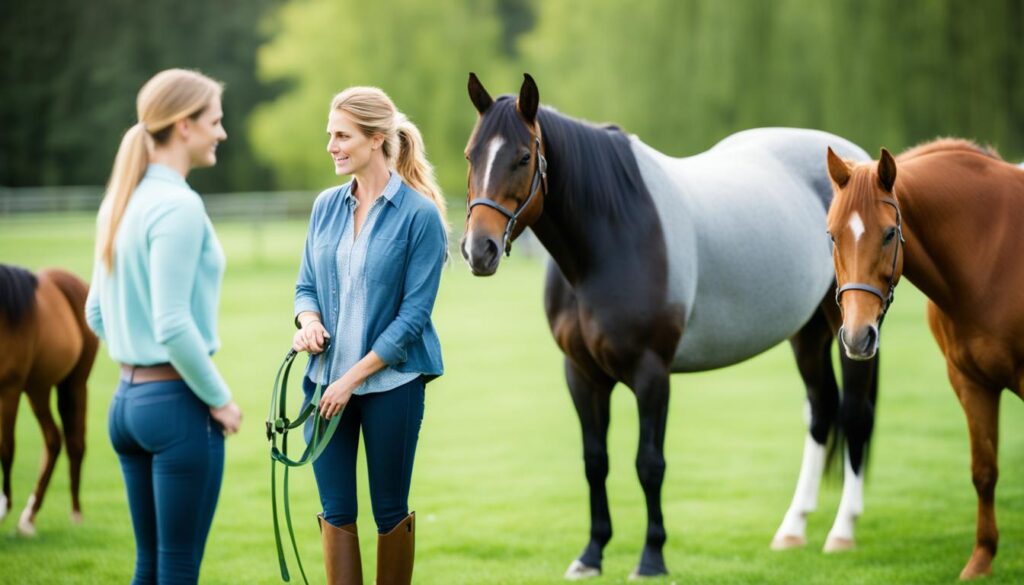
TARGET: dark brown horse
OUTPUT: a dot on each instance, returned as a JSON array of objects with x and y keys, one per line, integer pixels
[
  {"x": 950, "y": 220},
  {"x": 664, "y": 265},
  {"x": 44, "y": 342}
]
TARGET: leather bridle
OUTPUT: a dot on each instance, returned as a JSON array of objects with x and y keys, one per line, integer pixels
[
  {"x": 540, "y": 173},
  {"x": 888, "y": 297}
]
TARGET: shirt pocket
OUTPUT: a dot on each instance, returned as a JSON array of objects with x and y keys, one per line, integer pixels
[{"x": 385, "y": 262}]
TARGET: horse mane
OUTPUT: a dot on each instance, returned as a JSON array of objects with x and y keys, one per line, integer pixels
[
  {"x": 947, "y": 144},
  {"x": 17, "y": 293},
  {"x": 594, "y": 170}
]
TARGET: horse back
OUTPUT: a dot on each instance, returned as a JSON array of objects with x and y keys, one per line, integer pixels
[
  {"x": 749, "y": 258},
  {"x": 62, "y": 339}
]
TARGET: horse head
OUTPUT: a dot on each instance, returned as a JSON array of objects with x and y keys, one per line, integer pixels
[
  {"x": 507, "y": 174},
  {"x": 865, "y": 225}
]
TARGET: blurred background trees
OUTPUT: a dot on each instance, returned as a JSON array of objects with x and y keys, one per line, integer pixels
[{"x": 680, "y": 73}]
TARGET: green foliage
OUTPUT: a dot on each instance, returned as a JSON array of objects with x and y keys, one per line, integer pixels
[
  {"x": 69, "y": 73},
  {"x": 419, "y": 53}
]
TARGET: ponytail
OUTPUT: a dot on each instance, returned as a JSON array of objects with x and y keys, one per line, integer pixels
[
  {"x": 413, "y": 167},
  {"x": 129, "y": 167},
  {"x": 167, "y": 97}
]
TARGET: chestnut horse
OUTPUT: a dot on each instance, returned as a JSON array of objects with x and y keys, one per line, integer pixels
[
  {"x": 44, "y": 342},
  {"x": 664, "y": 265},
  {"x": 917, "y": 222}
]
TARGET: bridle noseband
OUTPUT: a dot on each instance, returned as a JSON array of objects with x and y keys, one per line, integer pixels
[
  {"x": 540, "y": 173},
  {"x": 888, "y": 298}
]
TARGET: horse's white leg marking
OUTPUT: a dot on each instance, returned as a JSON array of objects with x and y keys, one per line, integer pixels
[
  {"x": 3, "y": 507},
  {"x": 856, "y": 226},
  {"x": 26, "y": 527},
  {"x": 792, "y": 531},
  {"x": 577, "y": 571},
  {"x": 850, "y": 508}
]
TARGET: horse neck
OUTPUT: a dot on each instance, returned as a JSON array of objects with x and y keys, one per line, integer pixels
[
  {"x": 952, "y": 225},
  {"x": 582, "y": 238}
]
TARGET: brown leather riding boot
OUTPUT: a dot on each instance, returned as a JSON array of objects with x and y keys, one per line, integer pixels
[
  {"x": 341, "y": 553},
  {"x": 395, "y": 552}
]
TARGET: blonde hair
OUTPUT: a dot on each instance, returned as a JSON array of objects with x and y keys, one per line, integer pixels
[
  {"x": 169, "y": 96},
  {"x": 375, "y": 113}
]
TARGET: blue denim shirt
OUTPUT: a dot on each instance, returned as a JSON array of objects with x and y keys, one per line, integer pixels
[{"x": 404, "y": 258}]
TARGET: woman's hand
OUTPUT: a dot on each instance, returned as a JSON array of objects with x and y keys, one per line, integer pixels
[
  {"x": 228, "y": 416},
  {"x": 335, "y": 398},
  {"x": 311, "y": 337}
]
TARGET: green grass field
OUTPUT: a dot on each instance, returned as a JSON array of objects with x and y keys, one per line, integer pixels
[{"x": 499, "y": 488}]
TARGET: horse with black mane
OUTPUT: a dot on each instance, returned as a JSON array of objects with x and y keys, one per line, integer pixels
[
  {"x": 44, "y": 342},
  {"x": 662, "y": 265}
]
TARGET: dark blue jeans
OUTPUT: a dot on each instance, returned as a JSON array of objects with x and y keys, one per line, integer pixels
[
  {"x": 390, "y": 422},
  {"x": 172, "y": 459}
]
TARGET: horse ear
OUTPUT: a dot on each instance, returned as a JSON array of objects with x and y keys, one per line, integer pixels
[
  {"x": 529, "y": 99},
  {"x": 838, "y": 169},
  {"x": 886, "y": 170},
  {"x": 478, "y": 95}
]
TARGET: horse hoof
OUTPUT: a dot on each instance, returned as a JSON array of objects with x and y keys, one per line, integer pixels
[
  {"x": 76, "y": 517},
  {"x": 577, "y": 571},
  {"x": 26, "y": 527},
  {"x": 637, "y": 575},
  {"x": 980, "y": 565},
  {"x": 838, "y": 544},
  {"x": 788, "y": 541}
]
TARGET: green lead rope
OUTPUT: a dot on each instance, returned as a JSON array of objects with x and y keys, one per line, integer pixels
[{"x": 278, "y": 424}]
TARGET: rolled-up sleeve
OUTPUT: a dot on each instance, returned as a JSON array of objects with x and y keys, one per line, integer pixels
[
  {"x": 175, "y": 243},
  {"x": 429, "y": 244}
]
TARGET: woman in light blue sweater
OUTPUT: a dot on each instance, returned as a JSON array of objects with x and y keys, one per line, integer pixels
[{"x": 153, "y": 300}]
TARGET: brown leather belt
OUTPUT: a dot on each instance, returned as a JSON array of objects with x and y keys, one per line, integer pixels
[{"x": 144, "y": 374}]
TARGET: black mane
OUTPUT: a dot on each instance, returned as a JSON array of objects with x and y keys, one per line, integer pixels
[
  {"x": 591, "y": 167},
  {"x": 17, "y": 293}
]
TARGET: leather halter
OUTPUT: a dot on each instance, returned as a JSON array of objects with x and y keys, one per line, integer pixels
[
  {"x": 540, "y": 174},
  {"x": 890, "y": 296}
]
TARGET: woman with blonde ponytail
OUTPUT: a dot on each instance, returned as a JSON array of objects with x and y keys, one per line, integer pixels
[
  {"x": 153, "y": 300},
  {"x": 368, "y": 279}
]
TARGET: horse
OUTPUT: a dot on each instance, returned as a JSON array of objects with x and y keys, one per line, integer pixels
[
  {"x": 662, "y": 265},
  {"x": 949, "y": 221},
  {"x": 44, "y": 342}
]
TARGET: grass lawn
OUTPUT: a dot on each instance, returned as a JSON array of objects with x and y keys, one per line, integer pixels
[{"x": 499, "y": 488}]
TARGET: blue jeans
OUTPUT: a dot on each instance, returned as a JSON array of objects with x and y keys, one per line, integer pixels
[
  {"x": 390, "y": 422},
  {"x": 172, "y": 459}
]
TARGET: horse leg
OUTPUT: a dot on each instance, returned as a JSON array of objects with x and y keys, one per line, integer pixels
[
  {"x": 9, "y": 399},
  {"x": 812, "y": 347},
  {"x": 39, "y": 399},
  {"x": 591, "y": 394},
  {"x": 71, "y": 404},
  {"x": 856, "y": 419},
  {"x": 981, "y": 405},
  {"x": 651, "y": 385}
]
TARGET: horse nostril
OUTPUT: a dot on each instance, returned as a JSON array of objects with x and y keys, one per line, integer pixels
[
  {"x": 871, "y": 339},
  {"x": 491, "y": 252}
]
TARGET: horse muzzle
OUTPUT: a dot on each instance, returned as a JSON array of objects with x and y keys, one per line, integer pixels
[
  {"x": 862, "y": 344},
  {"x": 482, "y": 253}
]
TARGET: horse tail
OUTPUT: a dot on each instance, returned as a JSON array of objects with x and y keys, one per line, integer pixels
[{"x": 17, "y": 294}]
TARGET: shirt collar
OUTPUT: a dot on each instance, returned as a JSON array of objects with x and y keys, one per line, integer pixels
[
  {"x": 165, "y": 173},
  {"x": 390, "y": 190}
]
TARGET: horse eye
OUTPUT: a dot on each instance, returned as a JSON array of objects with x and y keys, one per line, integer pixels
[
  {"x": 525, "y": 160},
  {"x": 889, "y": 235}
]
